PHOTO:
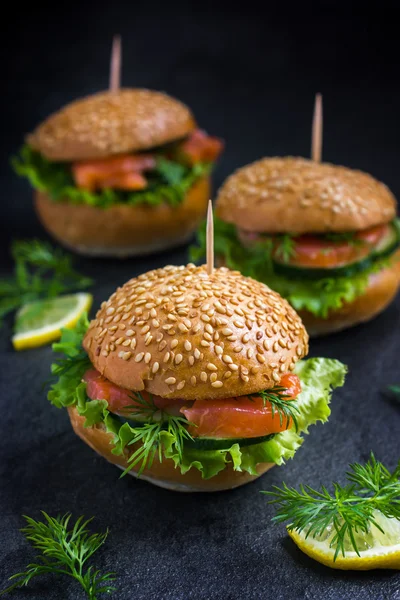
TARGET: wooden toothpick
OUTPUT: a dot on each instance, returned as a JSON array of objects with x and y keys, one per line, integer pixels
[
  {"x": 210, "y": 239},
  {"x": 317, "y": 126},
  {"x": 115, "y": 64}
]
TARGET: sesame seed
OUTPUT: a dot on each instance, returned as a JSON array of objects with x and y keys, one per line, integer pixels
[
  {"x": 170, "y": 381},
  {"x": 203, "y": 376},
  {"x": 178, "y": 359},
  {"x": 182, "y": 328},
  {"x": 227, "y": 359},
  {"x": 211, "y": 367},
  {"x": 147, "y": 358},
  {"x": 204, "y": 344},
  {"x": 193, "y": 380},
  {"x": 145, "y": 329},
  {"x": 162, "y": 345},
  {"x": 181, "y": 385},
  {"x": 188, "y": 346},
  {"x": 245, "y": 338},
  {"x": 126, "y": 343},
  {"x": 217, "y": 384},
  {"x": 260, "y": 358},
  {"x": 155, "y": 367},
  {"x": 275, "y": 376},
  {"x": 133, "y": 344},
  {"x": 213, "y": 377},
  {"x": 233, "y": 367},
  {"x": 226, "y": 331},
  {"x": 167, "y": 356},
  {"x": 174, "y": 344},
  {"x": 191, "y": 360}
]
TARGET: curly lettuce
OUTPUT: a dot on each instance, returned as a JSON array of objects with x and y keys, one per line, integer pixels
[
  {"x": 318, "y": 297},
  {"x": 319, "y": 376},
  {"x": 168, "y": 182}
]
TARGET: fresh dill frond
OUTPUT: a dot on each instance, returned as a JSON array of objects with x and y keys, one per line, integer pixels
[
  {"x": 282, "y": 404},
  {"x": 65, "y": 550},
  {"x": 40, "y": 272},
  {"x": 349, "y": 509},
  {"x": 150, "y": 434},
  {"x": 284, "y": 247}
]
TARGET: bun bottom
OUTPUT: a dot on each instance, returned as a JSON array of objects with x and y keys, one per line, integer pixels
[
  {"x": 121, "y": 231},
  {"x": 381, "y": 290},
  {"x": 162, "y": 474}
]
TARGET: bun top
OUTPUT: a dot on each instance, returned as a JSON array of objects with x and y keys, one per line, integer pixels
[
  {"x": 127, "y": 120},
  {"x": 178, "y": 332},
  {"x": 294, "y": 195}
]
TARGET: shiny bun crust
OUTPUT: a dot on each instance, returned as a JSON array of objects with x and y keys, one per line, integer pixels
[
  {"x": 120, "y": 230},
  {"x": 294, "y": 195},
  {"x": 381, "y": 290},
  {"x": 163, "y": 474},
  {"x": 178, "y": 332},
  {"x": 128, "y": 120}
]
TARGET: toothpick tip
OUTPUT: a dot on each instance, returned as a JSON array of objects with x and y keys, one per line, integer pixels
[{"x": 210, "y": 238}]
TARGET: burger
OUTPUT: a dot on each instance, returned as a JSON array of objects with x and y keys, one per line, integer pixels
[
  {"x": 325, "y": 237},
  {"x": 120, "y": 173},
  {"x": 193, "y": 381}
]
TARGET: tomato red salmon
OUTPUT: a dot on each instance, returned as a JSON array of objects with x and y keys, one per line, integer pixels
[
  {"x": 122, "y": 172},
  {"x": 125, "y": 172},
  {"x": 200, "y": 147},
  {"x": 243, "y": 416},
  {"x": 318, "y": 252}
]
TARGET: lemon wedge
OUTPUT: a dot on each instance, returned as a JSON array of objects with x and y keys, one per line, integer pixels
[
  {"x": 39, "y": 323},
  {"x": 377, "y": 550}
]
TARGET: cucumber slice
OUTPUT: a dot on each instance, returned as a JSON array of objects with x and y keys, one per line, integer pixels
[
  {"x": 203, "y": 443},
  {"x": 389, "y": 244}
]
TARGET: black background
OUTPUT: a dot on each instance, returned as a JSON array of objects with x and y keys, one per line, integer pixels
[{"x": 249, "y": 72}]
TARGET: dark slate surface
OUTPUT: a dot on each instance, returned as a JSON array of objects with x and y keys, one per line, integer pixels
[{"x": 249, "y": 77}]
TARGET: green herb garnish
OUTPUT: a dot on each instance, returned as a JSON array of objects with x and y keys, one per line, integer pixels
[
  {"x": 65, "y": 550},
  {"x": 150, "y": 434},
  {"x": 168, "y": 182},
  {"x": 284, "y": 247},
  {"x": 40, "y": 271},
  {"x": 349, "y": 509},
  {"x": 281, "y": 404}
]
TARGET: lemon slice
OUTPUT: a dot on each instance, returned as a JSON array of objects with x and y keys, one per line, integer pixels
[
  {"x": 38, "y": 323},
  {"x": 377, "y": 550}
]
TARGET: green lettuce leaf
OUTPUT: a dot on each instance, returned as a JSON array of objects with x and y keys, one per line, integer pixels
[
  {"x": 69, "y": 369},
  {"x": 319, "y": 297},
  {"x": 319, "y": 376},
  {"x": 169, "y": 182}
]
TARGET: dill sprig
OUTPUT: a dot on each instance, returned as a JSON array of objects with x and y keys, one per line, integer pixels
[
  {"x": 150, "y": 434},
  {"x": 64, "y": 551},
  {"x": 40, "y": 271},
  {"x": 349, "y": 509},
  {"x": 284, "y": 247},
  {"x": 281, "y": 404}
]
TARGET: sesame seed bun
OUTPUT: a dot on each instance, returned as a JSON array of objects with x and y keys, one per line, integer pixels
[
  {"x": 107, "y": 123},
  {"x": 163, "y": 474},
  {"x": 294, "y": 195},
  {"x": 123, "y": 230},
  {"x": 381, "y": 290},
  {"x": 178, "y": 332}
]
